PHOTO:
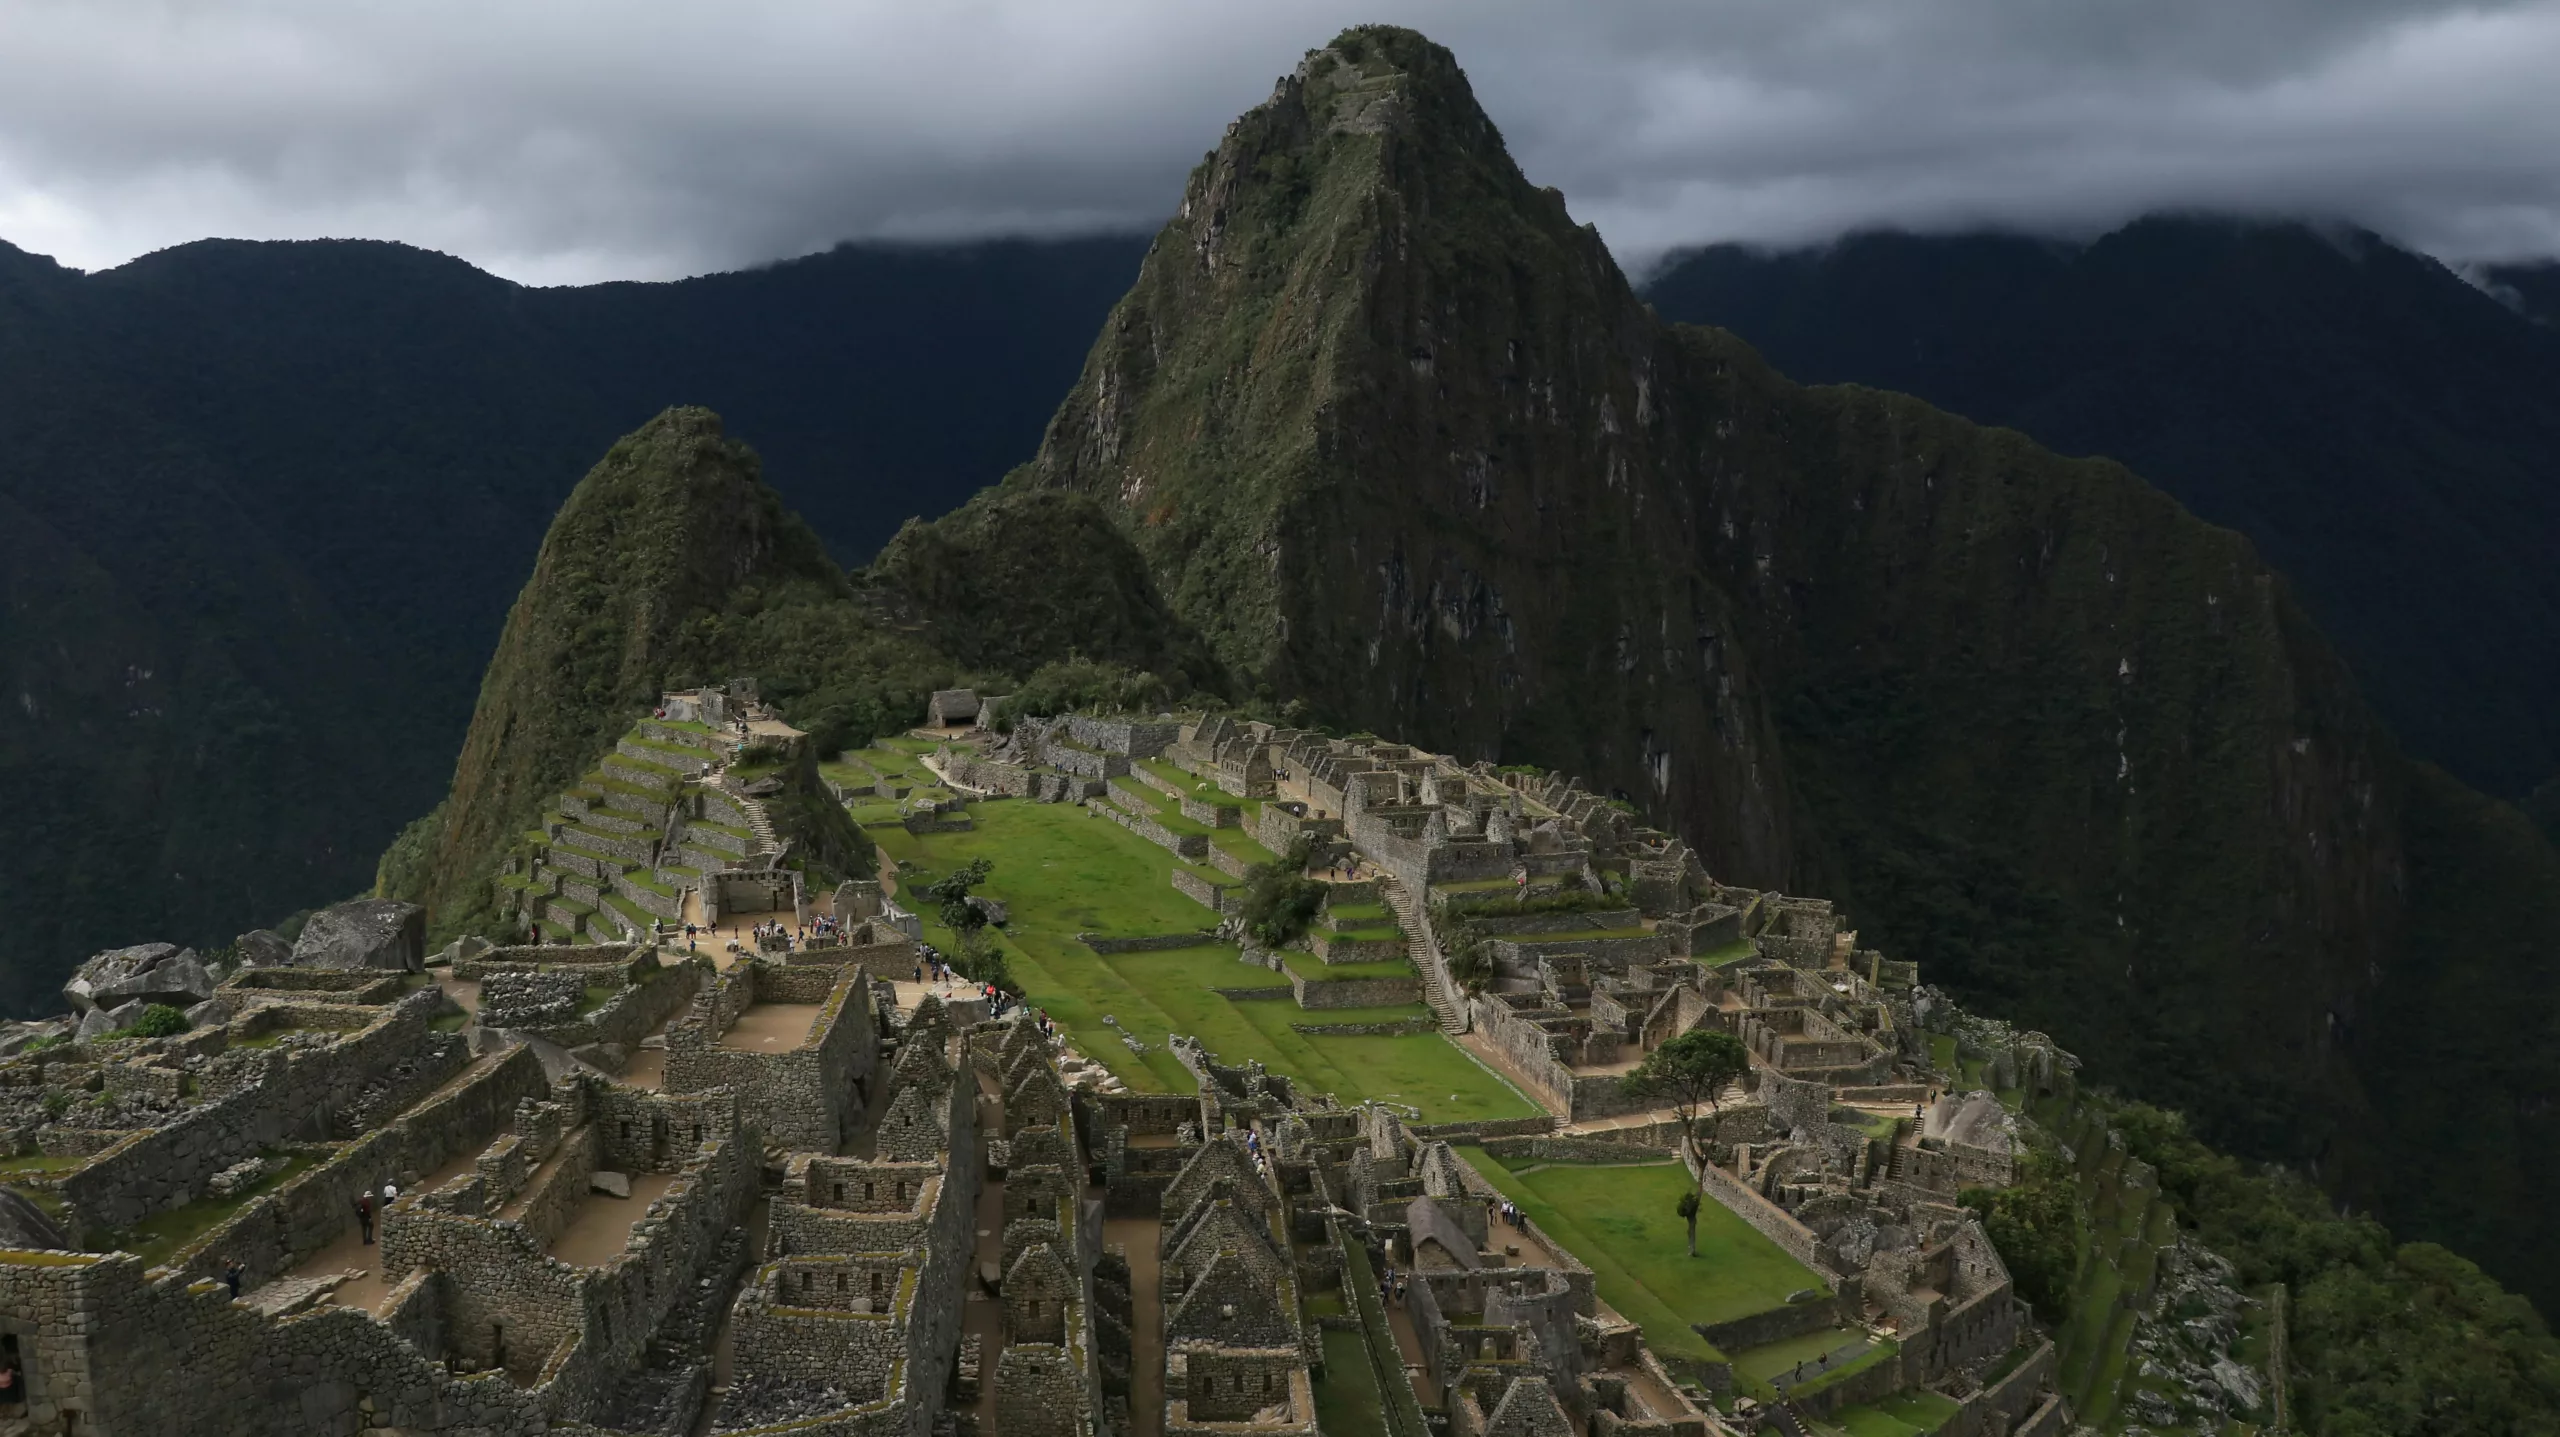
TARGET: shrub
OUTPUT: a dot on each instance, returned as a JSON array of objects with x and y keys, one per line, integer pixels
[{"x": 158, "y": 1021}]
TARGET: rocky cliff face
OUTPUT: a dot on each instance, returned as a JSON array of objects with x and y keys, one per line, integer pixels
[{"x": 1396, "y": 436}]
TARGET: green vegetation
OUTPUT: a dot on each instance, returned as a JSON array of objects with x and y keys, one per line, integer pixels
[
  {"x": 1062, "y": 871},
  {"x": 672, "y": 563},
  {"x": 1279, "y": 899},
  {"x": 158, "y": 1020},
  {"x": 1348, "y": 1403},
  {"x": 2035, "y": 1225},
  {"x": 1690, "y": 1071},
  {"x": 162, "y": 1235},
  {"x": 1910, "y": 1414},
  {"x": 2385, "y": 1337},
  {"x": 1623, "y": 1223}
]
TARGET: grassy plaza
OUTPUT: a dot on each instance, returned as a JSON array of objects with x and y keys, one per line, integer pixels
[
  {"x": 1622, "y": 1221},
  {"x": 1063, "y": 871}
]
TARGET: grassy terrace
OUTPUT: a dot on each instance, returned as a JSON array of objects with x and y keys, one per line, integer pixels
[
  {"x": 1622, "y": 1222},
  {"x": 1064, "y": 871},
  {"x": 1910, "y": 1414},
  {"x": 1238, "y": 842},
  {"x": 158, "y": 1237},
  {"x": 1316, "y": 970}
]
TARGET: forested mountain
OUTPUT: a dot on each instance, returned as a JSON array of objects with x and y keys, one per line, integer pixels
[
  {"x": 1401, "y": 444},
  {"x": 265, "y": 506},
  {"x": 2385, "y": 432},
  {"x": 2532, "y": 289}
]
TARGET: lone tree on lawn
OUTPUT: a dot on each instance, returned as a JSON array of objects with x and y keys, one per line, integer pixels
[
  {"x": 1691, "y": 1072},
  {"x": 966, "y": 922}
]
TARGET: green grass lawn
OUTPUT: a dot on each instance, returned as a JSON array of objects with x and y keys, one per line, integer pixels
[
  {"x": 1063, "y": 871},
  {"x": 1622, "y": 1221},
  {"x": 1347, "y": 1400},
  {"x": 1909, "y": 1414},
  {"x": 1758, "y": 1365}
]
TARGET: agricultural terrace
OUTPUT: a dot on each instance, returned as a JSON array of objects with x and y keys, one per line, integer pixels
[{"x": 1062, "y": 871}]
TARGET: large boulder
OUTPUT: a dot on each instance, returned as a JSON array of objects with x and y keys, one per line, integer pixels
[
  {"x": 19, "y": 1036},
  {"x": 259, "y": 948},
  {"x": 145, "y": 973},
  {"x": 368, "y": 933}
]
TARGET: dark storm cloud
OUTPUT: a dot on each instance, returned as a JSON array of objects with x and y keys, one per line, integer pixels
[{"x": 571, "y": 141}]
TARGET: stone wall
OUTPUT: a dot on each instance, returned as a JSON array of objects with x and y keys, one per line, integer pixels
[
  {"x": 1356, "y": 992},
  {"x": 523, "y": 955},
  {"x": 1777, "y": 1324},
  {"x": 1147, "y": 943},
  {"x": 295, "y": 1095},
  {"x": 805, "y": 1097},
  {"x": 1191, "y": 846},
  {"x": 132, "y": 1356},
  {"x": 1218, "y": 899},
  {"x": 1067, "y": 757},
  {"x": 1766, "y": 1218},
  {"x": 275, "y": 1231},
  {"x": 1134, "y": 738}
]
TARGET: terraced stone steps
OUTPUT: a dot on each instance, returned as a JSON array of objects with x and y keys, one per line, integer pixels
[{"x": 1419, "y": 946}]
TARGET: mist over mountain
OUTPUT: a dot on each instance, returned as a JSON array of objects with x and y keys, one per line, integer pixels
[
  {"x": 267, "y": 505},
  {"x": 2385, "y": 432}
]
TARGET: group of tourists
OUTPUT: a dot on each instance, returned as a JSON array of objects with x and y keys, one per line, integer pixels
[
  {"x": 365, "y": 1209},
  {"x": 1504, "y": 1209}
]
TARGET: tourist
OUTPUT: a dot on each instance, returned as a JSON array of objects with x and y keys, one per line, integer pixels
[
  {"x": 364, "y": 1216},
  {"x": 10, "y": 1397},
  {"x": 389, "y": 1192},
  {"x": 231, "y": 1276}
]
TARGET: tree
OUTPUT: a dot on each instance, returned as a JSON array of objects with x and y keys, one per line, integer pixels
[
  {"x": 1279, "y": 899},
  {"x": 966, "y": 922},
  {"x": 1690, "y": 1072},
  {"x": 1689, "y": 1214}
]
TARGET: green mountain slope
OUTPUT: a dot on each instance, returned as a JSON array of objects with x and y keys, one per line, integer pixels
[
  {"x": 2386, "y": 434},
  {"x": 1397, "y": 437},
  {"x": 671, "y": 564},
  {"x": 265, "y": 505}
]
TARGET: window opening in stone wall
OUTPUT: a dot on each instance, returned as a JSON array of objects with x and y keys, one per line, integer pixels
[
  {"x": 875, "y": 1282},
  {"x": 840, "y": 1192},
  {"x": 870, "y": 1191}
]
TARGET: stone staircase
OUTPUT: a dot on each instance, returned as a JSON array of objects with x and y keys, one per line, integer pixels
[
  {"x": 759, "y": 822},
  {"x": 1424, "y": 950},
  {"x": 1783, "y": 1416}
]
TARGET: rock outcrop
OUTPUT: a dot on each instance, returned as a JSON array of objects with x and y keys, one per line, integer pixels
[
  {"x": 145, "y": 973},
  {"x": 367, "y": 933}
]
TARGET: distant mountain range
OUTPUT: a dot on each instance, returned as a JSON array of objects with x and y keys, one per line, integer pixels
[
  {"x": 265, "y": 505},
  {"x": 2387, "y": 433}
]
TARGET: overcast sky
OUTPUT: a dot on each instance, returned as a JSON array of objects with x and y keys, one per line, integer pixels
[{"x": 572, "y": 140}]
